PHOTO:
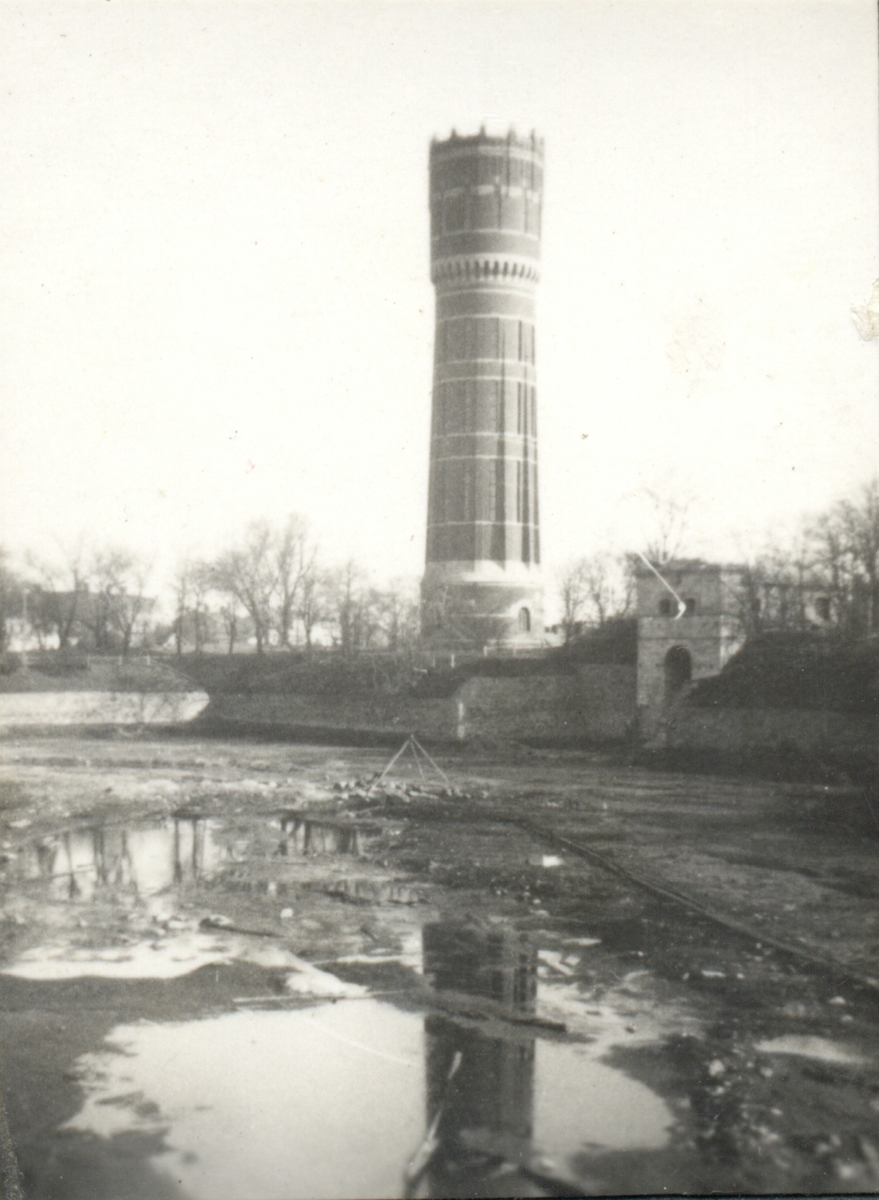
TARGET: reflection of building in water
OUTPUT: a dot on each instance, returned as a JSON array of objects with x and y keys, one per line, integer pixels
[
  {"x": 494, "y": 1086},
  {"x": 303, "y": 835},
  {"x": 499, "y": 964},
  {"x": 145, "y": 860}
]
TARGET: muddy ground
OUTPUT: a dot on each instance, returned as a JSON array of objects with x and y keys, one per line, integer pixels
[{"x": 229, "y": 972}]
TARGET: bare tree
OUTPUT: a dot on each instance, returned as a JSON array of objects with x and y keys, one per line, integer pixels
[
  {"x": 773, "y": 594},
  {"x": 346, "y": 588},
  {"x": 248, "y": 575},
  {"x": 572, "y": 592},
  {"x": 295, "y": 565},
  {"x": 594, "y": 589},
  {"x": 828, "y": 571},
  {"x": 313, "y": 603},
  {"x": 57, "y": 602},
  {"x": 132, "y": 608},
  {"x": 104, "y": 584},
  {"x": 354, "y": 609},
  {"x": 116, "y": 598},
  {"x": 229, "y": 617},
  {"x": 397, "y": 612},
  {"x": 668, "y": 524},
  {"x": 202, "y": 582},
  {"x": 181, "y": 584},
  {"x": 603, "y": 586},
  {"x": 845, "y": 543},
  {"x": 10, "y": 597},
  {"x": 192, "y": 583}
]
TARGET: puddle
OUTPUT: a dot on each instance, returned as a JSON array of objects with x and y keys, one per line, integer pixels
[
  {"x": 131, "y": 893},
  {"x": 336, "y": 1099},
  {"x": 267, "y": 1104},
  {"x": 148, "y": 858},
  {"x": 807, "y": 1046},
  {"x": 145, "y": 859},
  {"x": 319, "y": 1080},
  {"x": 333, "y": 1101}
]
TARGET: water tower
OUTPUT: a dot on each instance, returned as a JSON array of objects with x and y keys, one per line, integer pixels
[{"x": 482, "y": 577}]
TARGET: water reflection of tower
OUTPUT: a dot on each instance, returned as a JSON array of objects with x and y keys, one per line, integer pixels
[{"x": 494, "y": 1086}]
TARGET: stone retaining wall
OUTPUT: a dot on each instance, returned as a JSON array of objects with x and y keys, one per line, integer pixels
[
  {"x": 99, "y": 708},
  {"x": 369, "y": 714},
  {"x": 607, "y": 701},
  {"x": 595, "y": 704}
]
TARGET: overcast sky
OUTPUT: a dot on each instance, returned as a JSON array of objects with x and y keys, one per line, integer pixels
[{"x": 215, "y": 265}]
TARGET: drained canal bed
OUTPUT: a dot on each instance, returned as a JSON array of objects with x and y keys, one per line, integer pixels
[{"x": 251, "y": 995}]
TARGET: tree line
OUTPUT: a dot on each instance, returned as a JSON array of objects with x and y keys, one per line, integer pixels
[
  {"x": 826, "y": 574},
  {"x": 267, "y": 589},
  {"x": 830, "y": 569},
  {"x": 271, "y": 582}
]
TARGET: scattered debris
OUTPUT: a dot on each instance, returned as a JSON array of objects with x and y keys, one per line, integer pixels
[
  {"x": 553, "y": 960},
  {"x": 308, "y": 980},
  {"x": 224, "y": 923},
  {"x": 808, "y": 1046},
  {"x": 545, "y": 860}
]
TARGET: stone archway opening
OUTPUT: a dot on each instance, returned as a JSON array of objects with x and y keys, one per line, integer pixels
[
  {"x": 524, "y": 620},
  {"x": 678, "y": 670}
]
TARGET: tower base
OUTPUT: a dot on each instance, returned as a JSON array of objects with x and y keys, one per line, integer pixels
[{"x": 470, "y": 610}]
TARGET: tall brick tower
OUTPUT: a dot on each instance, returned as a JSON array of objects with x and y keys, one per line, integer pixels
[{"x": 482, "y": 578}]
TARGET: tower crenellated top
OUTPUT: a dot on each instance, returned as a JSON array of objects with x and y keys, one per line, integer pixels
[{"x": 511, "y": 140}]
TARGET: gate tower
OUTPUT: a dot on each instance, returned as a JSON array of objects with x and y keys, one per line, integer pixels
[{"x": 482, "y": 576}]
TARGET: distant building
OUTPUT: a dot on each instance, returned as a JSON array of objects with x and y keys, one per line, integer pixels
[
  {"x": 689, "y": 624},
  {"x": 482, "y": 577},
  {"x": 101, "y": 621}
]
